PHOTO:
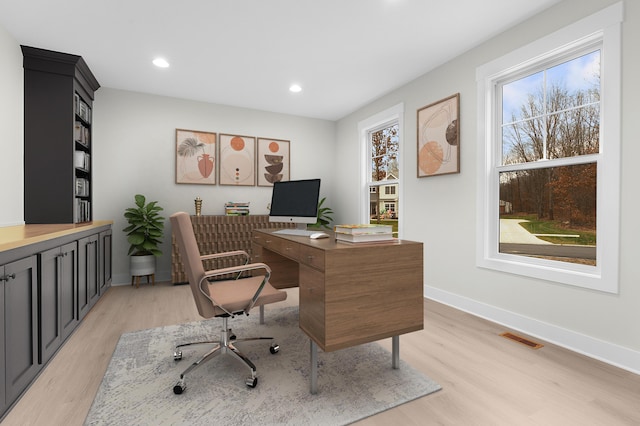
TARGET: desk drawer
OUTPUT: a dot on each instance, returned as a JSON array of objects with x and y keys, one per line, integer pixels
[
  {"x": 288, "y": 249},
  {"x": 311, "y": 256}
]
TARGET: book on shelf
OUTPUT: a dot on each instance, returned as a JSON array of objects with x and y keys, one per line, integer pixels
[
  {"x": 365, "y": 238},
  {"x": 364, "y": 228}
]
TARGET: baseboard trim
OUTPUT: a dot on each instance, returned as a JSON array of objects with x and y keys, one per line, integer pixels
[{"x": 607, "y": 352}]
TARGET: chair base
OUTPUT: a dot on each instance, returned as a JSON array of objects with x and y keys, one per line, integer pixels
[{"x": 224, "y": 345}]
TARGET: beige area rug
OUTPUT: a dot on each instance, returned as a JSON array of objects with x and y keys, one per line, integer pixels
[{"x": 353, "y": 383}]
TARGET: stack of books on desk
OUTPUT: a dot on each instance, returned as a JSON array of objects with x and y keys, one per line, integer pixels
[
  {"x": 236, "y": 208},
  {"x": 364, "y": 233}
]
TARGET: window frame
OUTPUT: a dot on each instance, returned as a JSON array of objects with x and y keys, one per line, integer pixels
[
  {"x": 390, "y": 116},
  {"x": 602, "y": 27}
]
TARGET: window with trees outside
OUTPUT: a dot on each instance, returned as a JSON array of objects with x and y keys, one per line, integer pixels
[
  {"x": 551, "y": 133},
  {"x": 381, "y": 141}
]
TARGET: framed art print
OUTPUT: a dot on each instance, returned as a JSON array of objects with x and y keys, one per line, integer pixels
[
  {"x": 195, "y": 157},
  {"x": 273, "y": 161},
  {"x": 237, "y": 160},
  {"x": 439, "y": 137}
]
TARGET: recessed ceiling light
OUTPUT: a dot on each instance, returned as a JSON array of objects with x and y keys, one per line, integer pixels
[
  {"x": 161, "y": 63},
  {"x": 295, "y": 88}
]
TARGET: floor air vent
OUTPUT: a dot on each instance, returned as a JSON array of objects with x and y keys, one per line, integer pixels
[{"x": 522, "y": 340}]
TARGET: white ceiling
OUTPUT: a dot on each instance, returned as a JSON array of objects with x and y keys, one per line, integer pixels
[{"x": 344, "y": 53}]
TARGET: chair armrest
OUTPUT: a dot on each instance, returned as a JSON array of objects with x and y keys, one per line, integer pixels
[
  {"x": 239, "y": 268},
  {"x": 225, "y": 254}
]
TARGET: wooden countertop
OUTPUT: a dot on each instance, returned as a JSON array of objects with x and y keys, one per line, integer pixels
[{"x": 12, "y": 237}]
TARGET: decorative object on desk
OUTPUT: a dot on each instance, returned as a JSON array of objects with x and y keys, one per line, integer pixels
[
  {"x": 324, "y": 216},
  {"x": 355, "y": 383},
  {"x": 195, "y": 157},
  {"x": 439, "y": 137},
  {"x": 144, "y": 235},
  {"x": 198, "y": 202},
  {"x": 237, "y": 160},
  {"x": 273, "y": 161},
  {"x": 362, "y": 233},
  {"x": 236, "y": 208}
]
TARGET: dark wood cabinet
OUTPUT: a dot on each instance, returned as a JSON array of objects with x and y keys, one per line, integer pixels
[
  {"x": 48, "y": 274},
  {"x": 19, "y": 356},
  {"x": 58, "y": 98},
  {"x": 58, "y": 295}
]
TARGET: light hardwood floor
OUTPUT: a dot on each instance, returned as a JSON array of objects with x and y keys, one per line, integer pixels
[{"x": 486, "y": 379}]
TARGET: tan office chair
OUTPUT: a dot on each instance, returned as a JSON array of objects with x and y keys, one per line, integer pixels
[{"x": 222, "y": 298}]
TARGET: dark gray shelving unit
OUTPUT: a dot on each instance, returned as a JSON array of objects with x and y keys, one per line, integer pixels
[{"x": 58, "y": 98}]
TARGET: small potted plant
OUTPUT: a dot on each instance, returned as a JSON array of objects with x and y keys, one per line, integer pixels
[
  {"x": 324, "y": 216},
  {"x": 144, "y": 235}
]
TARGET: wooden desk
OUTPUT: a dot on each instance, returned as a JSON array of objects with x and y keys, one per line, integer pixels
[{"x": 349, "y": 293}]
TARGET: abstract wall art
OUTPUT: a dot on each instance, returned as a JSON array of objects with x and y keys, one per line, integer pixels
[
  {"x": 237, "y": 160},
  {"x": 273, "y": 161},
  {"x": 439, "y": 137},
  {"x": 195, "y": 157}
]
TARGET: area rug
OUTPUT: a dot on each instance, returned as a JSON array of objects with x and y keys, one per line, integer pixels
[{"x": 353, "y": 383}]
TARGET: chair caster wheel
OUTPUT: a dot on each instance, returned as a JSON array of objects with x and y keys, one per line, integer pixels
[
  {"x": 179, "y": 387},
  {"x": 177, "y": 355},
  {"x": 232, "y": 336},
  {"x": 275, "y": 348},
  {"x": 251, "y": 382}
]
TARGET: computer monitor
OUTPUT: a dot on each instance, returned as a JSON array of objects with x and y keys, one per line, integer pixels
[{"x": 295, "y": 201}]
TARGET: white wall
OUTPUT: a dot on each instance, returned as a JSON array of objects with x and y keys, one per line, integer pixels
[
  {"x": 134, "y": 152},
  {"x": 11, "y": 131},
  {"x": 441, "y": 211}
]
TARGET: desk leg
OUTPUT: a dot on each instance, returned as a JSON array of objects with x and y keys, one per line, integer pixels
[
  {"x": 395, "y": 352},
  {"x": 314, "y": 366}
]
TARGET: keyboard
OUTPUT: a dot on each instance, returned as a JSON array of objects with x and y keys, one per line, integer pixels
[{"x": 297, "y": 232}]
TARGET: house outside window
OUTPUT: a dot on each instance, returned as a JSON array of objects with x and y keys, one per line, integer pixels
[
  {"x": 549, "y": 122},
  {"x": 381, "y": 140}
]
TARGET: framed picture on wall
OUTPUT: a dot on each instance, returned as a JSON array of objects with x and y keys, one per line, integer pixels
[
  {"x": 439, "y": 137},
  {"x": 237, "y": 160},
  {"x": 273, "y": 161},
  {"x": 195, "y": 157}
]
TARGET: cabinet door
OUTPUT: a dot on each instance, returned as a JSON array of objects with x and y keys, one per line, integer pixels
[
  {"x": 69, "y": 289},
  {"x": 87, "y": 274},
  {"x": 20, "y": 325},
  {"x": 105, "y": 270},
  {"x": 58, "y": 297}
]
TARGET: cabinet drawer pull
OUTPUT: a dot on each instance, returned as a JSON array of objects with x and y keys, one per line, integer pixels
[{"x": 8, "y": 277}]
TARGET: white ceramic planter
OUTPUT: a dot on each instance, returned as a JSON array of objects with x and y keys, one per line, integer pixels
[{"x": 142, "y": 265}]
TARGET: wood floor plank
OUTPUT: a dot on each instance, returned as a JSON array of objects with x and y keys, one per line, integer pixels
[{"x": 486, "y": 379}]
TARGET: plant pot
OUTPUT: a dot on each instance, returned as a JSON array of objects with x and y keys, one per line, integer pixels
[{"x": 142, "y": 265}]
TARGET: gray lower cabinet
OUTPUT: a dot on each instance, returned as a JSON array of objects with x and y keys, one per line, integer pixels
[
  {"x": 46, "y": 288},
  {"x": 19, "y": 330},
  {"x": 58, "y": 297}
]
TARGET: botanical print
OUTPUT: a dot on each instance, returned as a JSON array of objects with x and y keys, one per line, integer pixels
[
  {"x": 273, "y": 161},
  {"x": 439, "y": 137},
  {"x": 237, "y": 160},
  {"x": 195, "y": 157}
]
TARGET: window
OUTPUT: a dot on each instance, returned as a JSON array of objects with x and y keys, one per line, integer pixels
[
  {"x": 551, "y": 133},
  {"x": 381, "y": 141}
]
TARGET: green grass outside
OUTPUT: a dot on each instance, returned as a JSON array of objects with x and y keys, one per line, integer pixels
[{"x": 536, "y": 226}]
